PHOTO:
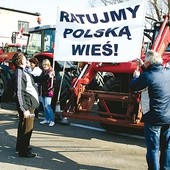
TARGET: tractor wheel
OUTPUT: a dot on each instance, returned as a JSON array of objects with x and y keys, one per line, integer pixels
[
  {"x": 113, "y": 84},
  {"x": 3, "y": 88}
]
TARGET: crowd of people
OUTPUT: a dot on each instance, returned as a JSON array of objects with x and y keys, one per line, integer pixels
[{"x": 34, "y": 85}]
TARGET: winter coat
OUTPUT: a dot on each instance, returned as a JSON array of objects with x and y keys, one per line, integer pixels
[{"x": 157, "y": 79}]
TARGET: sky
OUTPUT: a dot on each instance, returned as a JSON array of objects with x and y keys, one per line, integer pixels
[{"x": 47, "y": 8}]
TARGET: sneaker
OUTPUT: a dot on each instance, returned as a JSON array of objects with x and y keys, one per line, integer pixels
[
  {"x": 44, "y": 121},
  {"x": 51, "y": 123}
]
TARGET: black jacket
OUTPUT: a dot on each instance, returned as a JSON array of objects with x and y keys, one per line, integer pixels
[{"x": 26, "y": 90}]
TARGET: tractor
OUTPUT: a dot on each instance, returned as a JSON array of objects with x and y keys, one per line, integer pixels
[
  {"x": 98, "y": 91},
  {"x": 112, "y": 103}
]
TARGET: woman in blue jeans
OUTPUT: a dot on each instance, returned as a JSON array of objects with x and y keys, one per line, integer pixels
[
  {"x": 156, "y": 79},
  {"x": 47, "y": 91}
]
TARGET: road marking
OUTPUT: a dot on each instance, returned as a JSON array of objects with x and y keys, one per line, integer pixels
[
  {"x": 103, "y": 130},
  {"x": 88, "y": 127}
]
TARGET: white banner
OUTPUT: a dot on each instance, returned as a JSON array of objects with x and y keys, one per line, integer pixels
[{"x": 103, "y": 34}]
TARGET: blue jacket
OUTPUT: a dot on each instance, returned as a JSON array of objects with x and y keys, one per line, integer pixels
[{"x": 157, "y": 79}]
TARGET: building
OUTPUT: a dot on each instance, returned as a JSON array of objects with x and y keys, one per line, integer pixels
[{"x": 16, "y": 21}]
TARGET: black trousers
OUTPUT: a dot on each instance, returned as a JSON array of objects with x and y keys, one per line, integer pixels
[{"x": 25, "y": 128}]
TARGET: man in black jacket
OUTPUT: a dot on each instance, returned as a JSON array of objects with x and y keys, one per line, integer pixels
[{"x": 26, "y": 101}]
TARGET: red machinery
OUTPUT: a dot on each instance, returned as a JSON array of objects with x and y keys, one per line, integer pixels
[
  {"x": 110, "y": 103},
  {"x": 117, "y": 106},
  {"x": 7, "y": 68},
  {"x": 9, "y": 50}
]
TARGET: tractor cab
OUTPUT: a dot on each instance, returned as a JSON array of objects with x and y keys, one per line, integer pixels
[
  {"x": 40, "y": 44},
  {"x": 41, "y": 40}
]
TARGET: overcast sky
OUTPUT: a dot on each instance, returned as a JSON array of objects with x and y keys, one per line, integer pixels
[{"x": 47, "y": 8}]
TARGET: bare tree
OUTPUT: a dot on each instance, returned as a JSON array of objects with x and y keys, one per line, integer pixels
[
  {"x": 105, "y": 2},
  {"x": 156, "y": 9}
]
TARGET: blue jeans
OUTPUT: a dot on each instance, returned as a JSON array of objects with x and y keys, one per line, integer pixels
[
  {"x": 157, "y": 139},
  {"x": 46, "y": 101}
]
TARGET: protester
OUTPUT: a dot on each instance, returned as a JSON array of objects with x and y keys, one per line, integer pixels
[
  {"x": 47, "y": 92},
  {"x": 157, "y": 119},
  {"x": 26, "y": 102},
  {"x": 34, "y": 65},
  {"x": 28, "y": 67},
  {"x": 144, "y": 93},
  {"x": 36, "y": 71}
]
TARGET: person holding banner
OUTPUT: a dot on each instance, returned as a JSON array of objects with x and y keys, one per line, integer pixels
[
  {"x": 47, "y": 92},
  {"x": 157, "y": 118}
]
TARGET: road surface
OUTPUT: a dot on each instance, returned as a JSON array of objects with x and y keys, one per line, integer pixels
[{"x": 75, "y": 147}]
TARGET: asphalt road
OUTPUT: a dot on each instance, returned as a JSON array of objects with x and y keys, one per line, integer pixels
[{"x": 79, "y": 146}]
